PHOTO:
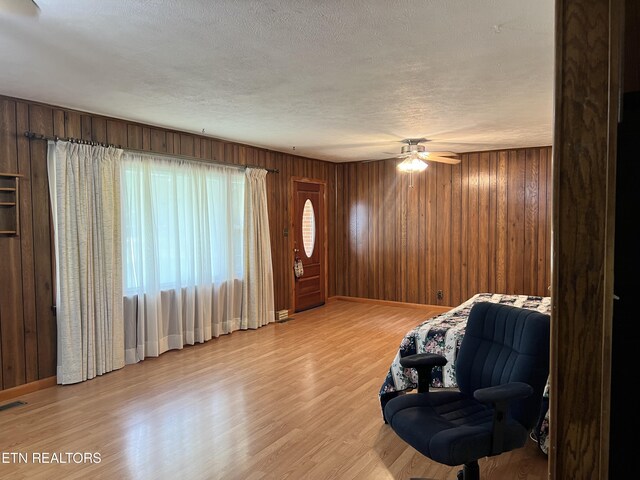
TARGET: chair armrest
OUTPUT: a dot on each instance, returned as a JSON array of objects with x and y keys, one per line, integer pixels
[
  {"x": 500, "y": 396},
  {"x": 423, "y": 363},
  {"x": 423, "y": 360},
  {"x": 501, "y": 393}
]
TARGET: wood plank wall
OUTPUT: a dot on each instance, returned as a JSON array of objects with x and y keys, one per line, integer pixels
[
  {"x": 480, "y": 226},
  {"x": 27, "y": 324}
]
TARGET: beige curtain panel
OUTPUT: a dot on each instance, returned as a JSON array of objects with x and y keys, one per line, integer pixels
[
  {"x": 258, "y": 303},
  {"x": 84, "y": 182}
]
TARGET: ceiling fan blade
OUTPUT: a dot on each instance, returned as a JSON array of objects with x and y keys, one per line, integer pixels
[
  {"x": 449, "y": 160},
  {"x": 440, "y": 153}
]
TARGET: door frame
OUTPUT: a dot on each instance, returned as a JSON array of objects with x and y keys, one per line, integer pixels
[
  {"x": 291, "y": 235},
  {"x": 584, "y": 160}
]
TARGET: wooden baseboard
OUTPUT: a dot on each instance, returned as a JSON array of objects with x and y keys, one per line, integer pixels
[
  {"x": 20, "y": 390},
  {"x": 391, "y": 303}
]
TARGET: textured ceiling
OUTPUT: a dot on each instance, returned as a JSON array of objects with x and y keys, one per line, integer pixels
[{"x": 339, "y": 80}]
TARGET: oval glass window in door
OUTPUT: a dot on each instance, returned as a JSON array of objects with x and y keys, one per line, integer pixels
[{"x": 308, "y": 228}]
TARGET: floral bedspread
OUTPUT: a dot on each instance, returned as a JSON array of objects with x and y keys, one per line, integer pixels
[{"x": 443, "y": 334}]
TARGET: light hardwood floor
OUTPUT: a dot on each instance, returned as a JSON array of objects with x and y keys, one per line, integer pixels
[{"x": 292, "y": 400}]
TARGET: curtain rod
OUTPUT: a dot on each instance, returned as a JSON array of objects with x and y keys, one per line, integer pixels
[{"x": 38, "y": 136}]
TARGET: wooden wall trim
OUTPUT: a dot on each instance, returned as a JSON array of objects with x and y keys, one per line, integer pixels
[
  {"x": 30, "y": 387},
  {"x": 586, "y": 109},
  {"x": 390, "y": 303}
]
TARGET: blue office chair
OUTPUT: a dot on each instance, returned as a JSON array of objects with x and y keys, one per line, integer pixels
[{"x": 501, "y": 371}]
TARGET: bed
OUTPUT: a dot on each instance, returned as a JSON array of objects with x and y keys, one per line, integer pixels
[{"x": 442, "y": 334}]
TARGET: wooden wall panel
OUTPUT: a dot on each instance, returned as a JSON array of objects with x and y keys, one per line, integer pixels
[
  {"x": 186, "y": 145},
  {"x": 352, "y": 228},
  {"x": 169, "y": 142},
  {"x": 531, "y": 217},
  {"x": 98, "y": 129},
  {"x": 85, "y": 123},
  {"x": 58, "y": 122},
  {"x": 26, "y": 248},
  {"x": 391, "y": 241},
  {"x": 362, "y": 237},
  {"x": 158, "y": 140},
  {"x": 515, "y": 222},
  {"x": 423, "y": 219},
  {"x": 482, "y": 225},
  {"x": 412, "y": 242},
  {"x": 491, "y": 240},
  {"x": 73, "y": 124},
  {"x": 456, "y": 232},
  {"x": 41, "y": 121},
  {"x": 146, "y": 138},
  {"x": 432, "y": 248},
  {"x": 205, "y": 148},
  {"x": 473, "y": 249},
  {"x": 134, "y": 136},
  {"x": 374, "y": 277},
  {"x": 483, "y": 222},
  {"x": 401, "y": 265},
  {"x": 330, "y": 173},
  {"x": 501, "y": 221},
  {"x": 27, "y": 322},
  {"x": 443, "y": 229},
  {"x": 11, "y": 313},
  {"x": 339, "y": 237}
]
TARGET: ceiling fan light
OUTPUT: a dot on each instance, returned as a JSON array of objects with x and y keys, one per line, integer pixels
[{"x": 412, "y": 164}]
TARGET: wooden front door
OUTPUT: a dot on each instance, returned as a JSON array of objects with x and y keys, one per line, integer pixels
[{"x": 309, "y": 243}]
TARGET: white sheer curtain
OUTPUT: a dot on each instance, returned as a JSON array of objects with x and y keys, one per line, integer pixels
[
  {"x": 84, "y": 183},
  {"x": 258, "y": 302},
  {"x": 182, "y": 240}
]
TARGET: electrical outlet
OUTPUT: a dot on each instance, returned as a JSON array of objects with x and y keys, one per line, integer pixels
[{"x": 440, "y": 294}]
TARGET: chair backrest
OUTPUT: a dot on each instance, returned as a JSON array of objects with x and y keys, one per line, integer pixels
[{"x": 504, "y": 344}]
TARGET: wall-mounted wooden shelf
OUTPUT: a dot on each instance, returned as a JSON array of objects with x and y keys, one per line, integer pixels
[{"x": 9, "y": 204}]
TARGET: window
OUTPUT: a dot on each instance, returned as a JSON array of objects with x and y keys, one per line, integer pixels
[{"x": 182, "y": 224}]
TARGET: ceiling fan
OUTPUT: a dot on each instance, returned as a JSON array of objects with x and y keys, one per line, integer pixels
[
  {"x": 20, "y": 7},
  {"x": 415, "y": 156}
]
